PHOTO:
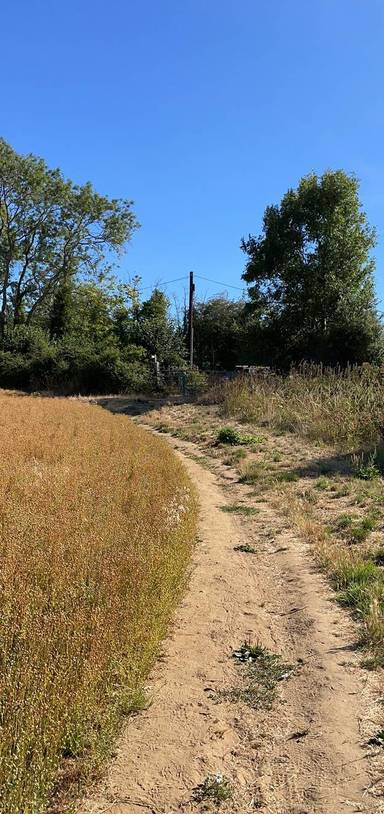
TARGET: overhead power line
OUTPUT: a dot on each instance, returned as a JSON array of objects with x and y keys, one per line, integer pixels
[
  {"x": 198, "y": 276},
  {"x": 167, "y": 282},
  {"x": 226, "y": 285}
]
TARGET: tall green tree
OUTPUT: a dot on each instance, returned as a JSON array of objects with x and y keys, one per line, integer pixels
[
  {"x": 51, "y": 232},
  {"x": 310, "y": 273},
  {"x": 153, "y": 329},
  {"x": 220, "y": 327}
]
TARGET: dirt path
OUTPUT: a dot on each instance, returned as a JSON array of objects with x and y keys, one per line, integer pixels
[{"x": 304, "y": 756}]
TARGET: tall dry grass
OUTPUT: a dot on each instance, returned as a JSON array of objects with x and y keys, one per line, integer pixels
[
  {"x": 97, "y": 520},
  {"x": 344, "y": 408}
]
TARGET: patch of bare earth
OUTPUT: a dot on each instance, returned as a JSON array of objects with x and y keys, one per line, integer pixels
[{"x": 309, "y": 752}]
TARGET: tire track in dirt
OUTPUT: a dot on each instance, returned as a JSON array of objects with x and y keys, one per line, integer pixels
[{"x": 302, "y": 757}]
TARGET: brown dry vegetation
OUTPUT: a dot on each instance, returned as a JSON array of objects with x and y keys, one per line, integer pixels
[
  {"x": 342, "y": 408},
  {"x": 97, "y": 522}
]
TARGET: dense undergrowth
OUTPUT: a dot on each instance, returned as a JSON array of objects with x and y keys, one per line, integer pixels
[
  {"x": 344, "y": 408},
  {"x": 97, "y": 521}
]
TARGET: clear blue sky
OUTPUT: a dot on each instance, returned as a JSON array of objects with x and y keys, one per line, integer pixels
[{"x": 202, "y": 111}]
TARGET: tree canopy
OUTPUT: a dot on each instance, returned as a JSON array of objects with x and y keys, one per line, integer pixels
[
  {"x": 51, "y": 231},
  {"x": 310, "y": 272},
  {"x": 220, "y": 329}
]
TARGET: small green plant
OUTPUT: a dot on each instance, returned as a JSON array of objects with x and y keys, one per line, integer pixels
[
  {"x": 322, "y": 484},
  {"x": 353, "y": 529},
  {"x": 264, "y": 671},
  {"x": 215, "y": 787},
  {"x": 251, "y": 439},
  {"x": 344, "y": 521},
  {"x": 362, "y": 529},
  {"x": 239, "y": 508},
  {"x": 245, "y": 548},
  {"x": 366, "y": 468},
  {"x": 360, "y": 585},
  {"x": 228, "y": 435},
  {"x": 356, "y": 597},
  {"x": 354, "y": 573},
  {"x": 133, "y": 702},
  {"x": 287, "y": 477}
]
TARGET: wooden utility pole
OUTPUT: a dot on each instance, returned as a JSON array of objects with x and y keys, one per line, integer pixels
[{"x": 190, "y": 317}]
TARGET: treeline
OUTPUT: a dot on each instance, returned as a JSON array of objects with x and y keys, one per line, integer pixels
[
  {"x": 66, "y": 323},
  {"x": 107, "y": 344},
  {"x": 311, "y": 293}
]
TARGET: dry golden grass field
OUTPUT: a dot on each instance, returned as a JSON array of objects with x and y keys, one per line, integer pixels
[{"x": 97, "y": 524}]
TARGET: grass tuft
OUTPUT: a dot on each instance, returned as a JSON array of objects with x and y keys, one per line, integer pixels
[
  {"x": 239, "y": 508},
  {"x": 264, "y": 672},
  {"x": 215, "y": 787},
  {"x": 354, "y": 529}
]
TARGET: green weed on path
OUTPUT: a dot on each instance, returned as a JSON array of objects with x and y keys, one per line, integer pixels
[
  {"x": 239, "y": 508},
  {"x": 263, "y": 672},
  {"x": 215, "y": 787}
]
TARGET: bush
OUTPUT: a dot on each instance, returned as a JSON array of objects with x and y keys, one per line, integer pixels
[
  {"x": 228, "y": 435},
  {"x": 74, "y": 364}
]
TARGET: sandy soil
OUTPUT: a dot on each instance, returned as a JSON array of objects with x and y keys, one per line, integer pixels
[{"x": 309, "y": 752}]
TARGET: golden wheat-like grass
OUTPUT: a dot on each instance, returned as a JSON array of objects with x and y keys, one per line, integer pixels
[{"x": 97, "y": 519}]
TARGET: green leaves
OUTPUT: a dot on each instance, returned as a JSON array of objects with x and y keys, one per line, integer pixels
[
  {"x": 51, "y": 231},
  {"x": 311, "y": 272}
]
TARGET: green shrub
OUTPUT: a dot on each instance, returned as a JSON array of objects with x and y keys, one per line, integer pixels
[
  {"x": 228, "y": 435},
  {"x": 74, "y": 364}
]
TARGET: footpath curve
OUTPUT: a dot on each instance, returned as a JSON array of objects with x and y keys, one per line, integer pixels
[{"x": 304, "y": 756}]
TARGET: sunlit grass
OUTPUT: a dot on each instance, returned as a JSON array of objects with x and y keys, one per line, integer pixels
[
  {"x": 97, "y": 520},
  {"x": 344, "y": 408}
]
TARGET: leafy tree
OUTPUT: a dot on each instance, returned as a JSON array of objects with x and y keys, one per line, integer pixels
[
  {"x": 311, "y": 276},
  {"x": 220, "y": 328},
  {"x": 60, "y": 317},
  {"x": 153, "y": 329},
  {"x": 51, "y": 231}
]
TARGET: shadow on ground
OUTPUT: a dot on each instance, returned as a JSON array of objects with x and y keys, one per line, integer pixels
[
  {"x": 139, "y": 406},
  {"x": 366, "y": 464}
]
